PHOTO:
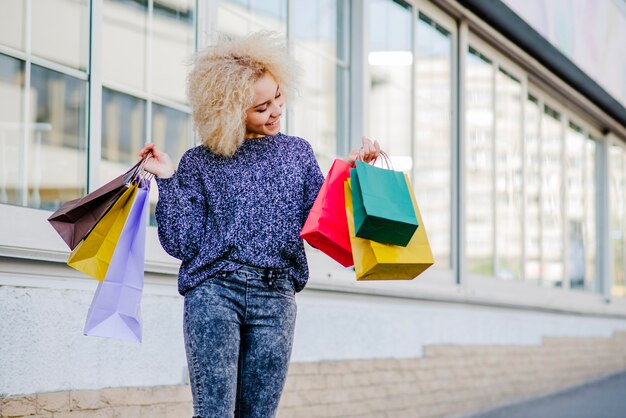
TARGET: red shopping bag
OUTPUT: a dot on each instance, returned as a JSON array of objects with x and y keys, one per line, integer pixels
[{"x": 326, "y": 228}]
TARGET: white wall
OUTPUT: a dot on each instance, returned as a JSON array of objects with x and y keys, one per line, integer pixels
[{"x": 42, "y": 347}]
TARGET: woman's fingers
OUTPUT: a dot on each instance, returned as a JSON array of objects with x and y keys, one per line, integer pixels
[
  {"x": 370, "y": 149},
  {"x": 147, "y": 148}
]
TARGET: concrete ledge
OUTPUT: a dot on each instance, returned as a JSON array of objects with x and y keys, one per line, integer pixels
[{"x": 449, "y": 380}]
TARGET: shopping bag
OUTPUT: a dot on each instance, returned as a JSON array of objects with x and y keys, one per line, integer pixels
[
  {"x": 115, "y": 310},
  {"x": 382, "y": 205},
  {"x": 93, "y": 254},
  {"x": 377, "y": 261},
  {"x": 326, "y": 227},
  {"x": 76, "y": 218}
]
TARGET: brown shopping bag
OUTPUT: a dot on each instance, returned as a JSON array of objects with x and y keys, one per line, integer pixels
[
  {"x": 93, "y": 254},
  {"x": 75, "y": 219}
]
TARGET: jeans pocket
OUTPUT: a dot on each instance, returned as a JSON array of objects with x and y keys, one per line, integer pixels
[{"x": 284, "y": 285}]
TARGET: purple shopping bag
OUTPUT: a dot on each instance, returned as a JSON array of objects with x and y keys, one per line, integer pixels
[{"x": 115, "y": 308}]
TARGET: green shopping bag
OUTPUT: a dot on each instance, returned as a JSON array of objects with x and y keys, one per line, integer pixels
[{"x": 383, "y": 209}]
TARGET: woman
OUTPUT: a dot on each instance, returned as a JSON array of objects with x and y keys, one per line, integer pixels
[{"x": 232, "y": 212}]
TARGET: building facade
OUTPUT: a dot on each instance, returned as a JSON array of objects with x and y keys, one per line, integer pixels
[{"x": 509, "y": 117}]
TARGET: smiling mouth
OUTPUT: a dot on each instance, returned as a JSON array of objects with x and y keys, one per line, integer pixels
[{"x": 271, "y": 125}]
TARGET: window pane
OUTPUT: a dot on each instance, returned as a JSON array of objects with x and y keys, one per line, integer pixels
[
  {"x": 172, "y": 133},
  {"x": 575, "y": 205},
  {"x": 551, "y": 206},
  {"x": 431, "y": 178},
  {"x": 12, "y": 149},
  {"x": 317, "y": 25},
  {"x": 173, "y": 39},
  {"x": 479, "y": 179},
  {"x": 123, "y": 132},
  {"x": 12, "y": 23},
  {"x": 239, "y": 17},
  {"x": 60, "y": 31},
  {"x": 508, "y": 172},
  {"x": 589, "y": 228},
  {"x": 56, "y": 152},
  {"x": 532, "y": 225},
  {"x": 390, "y": 68},
  {"x": 617, "y": 185},
  {"x": 124, "y": 40}
]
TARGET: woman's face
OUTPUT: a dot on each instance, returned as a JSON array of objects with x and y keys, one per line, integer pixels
[{"x": 263, "y": 118}]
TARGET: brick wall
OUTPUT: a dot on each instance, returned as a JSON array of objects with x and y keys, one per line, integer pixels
[{"x": 448, "y": 381}]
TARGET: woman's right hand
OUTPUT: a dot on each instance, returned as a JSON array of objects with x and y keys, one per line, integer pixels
[{"x": 159, "y": 164}]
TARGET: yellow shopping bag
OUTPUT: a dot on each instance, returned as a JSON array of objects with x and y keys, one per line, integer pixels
[
  {"x": 93, "y": 254},
  {"x": 377, "y": 261}
]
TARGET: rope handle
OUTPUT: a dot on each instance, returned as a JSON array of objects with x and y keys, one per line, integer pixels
[{"x": 384, "y": 157}]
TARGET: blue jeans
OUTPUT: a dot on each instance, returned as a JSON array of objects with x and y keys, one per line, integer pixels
[{"x": 238, "y": 329}]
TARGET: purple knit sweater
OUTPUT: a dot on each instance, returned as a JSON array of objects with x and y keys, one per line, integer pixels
[{"x": 216, "y": 213}]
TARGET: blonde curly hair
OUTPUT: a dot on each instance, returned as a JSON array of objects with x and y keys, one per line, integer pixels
[{"x": 220, "y": 86}]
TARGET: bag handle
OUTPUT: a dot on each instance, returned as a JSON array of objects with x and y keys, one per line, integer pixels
[
  {"x": 384, "y": 157},
  {"x": 137, "y": 173}
]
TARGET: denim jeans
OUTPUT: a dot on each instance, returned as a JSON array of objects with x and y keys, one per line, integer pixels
[{"x": 238, "y": 329}]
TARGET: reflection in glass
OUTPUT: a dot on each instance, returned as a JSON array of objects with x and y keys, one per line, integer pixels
[
  {"x": 551, "y": 205},
  {"x": 56, "y": 150},
  {"x": 532, "y": 179},
  {"x": 124, "y": 42},
  {"x": 12, "y": 23},
  {"x": 591, "y": 204},
  {"x": 13, "y": 165},
  {"x": 617, "y": 190},
  {"x": 575, "y": 205},
  {"x": 173, "y": 42},
  {"x": 479, "y": 149},
  {"x": 60, "y": 31},
  {"x": 123, "y": 132},
  {"x": 390, "y": 68},
  {"x": 172, "y": 133},
  {"x": 432, "y": 151},
  {"x": 240, "y": 17},
  {"x": 508, "y": 176},
  {"x": 320, "y": 30}
]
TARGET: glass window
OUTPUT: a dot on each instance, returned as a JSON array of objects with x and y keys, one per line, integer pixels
[
  {"x": 575, "y": 205},
  {"x": 391, "y": 67},
  {"x": 239, "y": 17},
  {"x": 532, "y": 220},
  {"x": 55, "y": 152},
  {"x": 617, "y": 190},
  {"x": 12, "y": 25},
  {"x": 173, "y": 42},
  {"x": 60, "y": 31},
  {"x": 508, "y": 176},
  {"x": 123, "y": 132},
  {"x": 124, "y": 42},
  {"x": 590, "y": 225},
  {"x": 551, "y": 205},
  {"x": 171, "y": 132},
  {"x": 320, "y": 31},
  {"x": 432, "y": 151},
  {"x": 12, "y": 150},
  {"x": 479, "y": 151}
]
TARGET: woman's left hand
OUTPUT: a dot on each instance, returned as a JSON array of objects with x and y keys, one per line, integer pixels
[{"x": 369, "y": 151}]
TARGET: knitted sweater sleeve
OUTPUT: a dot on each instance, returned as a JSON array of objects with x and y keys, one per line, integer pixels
[
  {"x": 312, "y": 182},
  {"x": 181, "y": 210}
]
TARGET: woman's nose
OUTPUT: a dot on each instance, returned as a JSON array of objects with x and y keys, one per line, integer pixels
[{"x": 277, "y": 109}]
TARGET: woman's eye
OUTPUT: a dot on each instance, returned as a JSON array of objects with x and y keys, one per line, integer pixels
[{"x": 261, "y": 110}]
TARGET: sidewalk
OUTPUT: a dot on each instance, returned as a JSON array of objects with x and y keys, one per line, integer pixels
[{"x": 604, "y": 398}]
